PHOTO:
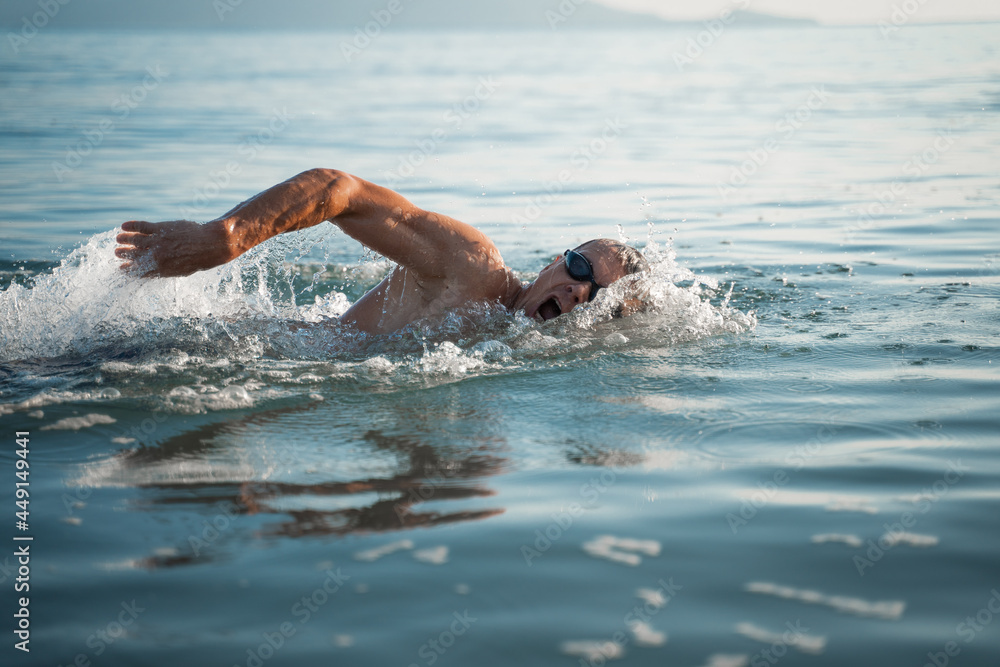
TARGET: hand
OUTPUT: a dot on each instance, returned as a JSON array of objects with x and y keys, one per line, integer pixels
[{"x": 174, "y": 248}]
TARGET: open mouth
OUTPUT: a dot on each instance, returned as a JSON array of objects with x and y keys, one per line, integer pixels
[{"x": 549, "y": 309}]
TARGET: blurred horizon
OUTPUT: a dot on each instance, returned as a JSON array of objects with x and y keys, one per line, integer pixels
[{"x": 16, "y": 15}]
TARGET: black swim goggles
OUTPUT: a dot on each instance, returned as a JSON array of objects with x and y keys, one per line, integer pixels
[{"x": 580, "y": 268}]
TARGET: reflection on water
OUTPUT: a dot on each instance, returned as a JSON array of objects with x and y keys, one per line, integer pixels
[{"x": 190, "y": 469}]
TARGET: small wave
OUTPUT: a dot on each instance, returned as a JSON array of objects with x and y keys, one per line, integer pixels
[
  {"x": 77, "y": 423},
  {"x": 434, "y": 555},
  {"x": 909, "y": 539},
  {"x": 592, "y": 650},
  {"x": 826, "y": 538},
  {"x": 377, "y": 553},
  {"x": 801, "y": 640},
  {"x": 624, "y": 550},
  {"x": 891, "y": 610}
]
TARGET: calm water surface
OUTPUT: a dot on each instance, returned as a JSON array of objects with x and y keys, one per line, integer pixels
[{"x": 792, "y": 458}]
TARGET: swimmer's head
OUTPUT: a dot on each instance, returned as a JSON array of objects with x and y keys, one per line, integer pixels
[
  {"x": 576, "y": 277},
  {"x": 632, "y": 262}
]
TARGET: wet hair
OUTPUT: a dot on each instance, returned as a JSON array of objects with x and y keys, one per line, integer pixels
[{"x": 632, "y": 261}]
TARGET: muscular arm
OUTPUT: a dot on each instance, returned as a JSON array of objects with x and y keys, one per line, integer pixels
[{"x": 426, "y": 243}]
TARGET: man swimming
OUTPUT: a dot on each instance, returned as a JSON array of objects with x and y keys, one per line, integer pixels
[{"x": 442, "y": 263}]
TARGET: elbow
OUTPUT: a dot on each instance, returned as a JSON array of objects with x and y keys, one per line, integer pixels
[
  {"x": 334, "y": 189},
  {"x": 323, "y": 175}
]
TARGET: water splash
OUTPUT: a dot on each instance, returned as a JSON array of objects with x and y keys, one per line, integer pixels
[
  {"x": 88, "y": 304},
  {"x": 242, "y": 333}
]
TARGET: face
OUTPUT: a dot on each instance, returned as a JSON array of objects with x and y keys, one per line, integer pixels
[{"x": 556, "y": 292}]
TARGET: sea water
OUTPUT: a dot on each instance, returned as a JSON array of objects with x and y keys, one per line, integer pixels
[{"x": 791, "y": 457}]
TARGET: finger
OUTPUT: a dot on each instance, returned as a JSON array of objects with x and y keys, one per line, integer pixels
[
  {"x": 131, "y": 238},
  {"x": 140, "y": 226}
]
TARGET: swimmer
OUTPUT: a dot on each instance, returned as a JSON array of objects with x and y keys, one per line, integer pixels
[{"x": 441, "y": 263}]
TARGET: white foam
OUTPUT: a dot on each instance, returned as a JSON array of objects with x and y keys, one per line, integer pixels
[
  {"x": 370, "y": 555},
  {"x": 891, "y": 610},
  {"x": 849, "y": 540},
  {"x": 909, "y": 539},
  {"x": 849, "y": 504},
  {"x": 645, "y": 635},
  {"x": 187, "y": 400},
  {"x": 592, "y": 650},
  {"x": 615, "y": 339},
  {"x": 42, "y": 399},
  {"x": 87, "y": 302},
  {"x": 449, "y": 359},
  {"x": 672, "y": 313},
  {"x": 377, "y": 364},
  {"x": 621, "y": 549},
  {"x": 78, "y": 423},
  {"x": 802, "y": 641},
  {"x": 434, "y": 555},
  {"x": 654, "y": 597}
]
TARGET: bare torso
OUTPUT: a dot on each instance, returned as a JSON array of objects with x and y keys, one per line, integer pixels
[{"x": 404, "y": 297}]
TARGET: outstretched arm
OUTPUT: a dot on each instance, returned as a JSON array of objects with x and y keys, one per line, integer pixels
[{"x": 381, "y": 219}]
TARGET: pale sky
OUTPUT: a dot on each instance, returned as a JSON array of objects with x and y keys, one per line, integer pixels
[{"x": 824, "y": 11}]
